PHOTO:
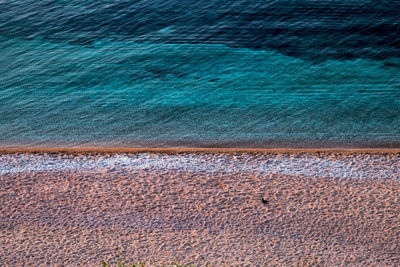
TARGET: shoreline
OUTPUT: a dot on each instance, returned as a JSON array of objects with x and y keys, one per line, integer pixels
[{"x": 176, "y": 150}]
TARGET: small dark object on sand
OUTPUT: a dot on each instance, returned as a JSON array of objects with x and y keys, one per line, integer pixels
[{"x": 265, "y": 202}]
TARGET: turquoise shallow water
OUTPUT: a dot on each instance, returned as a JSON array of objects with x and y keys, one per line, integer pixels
[{"x": 125, "y": 93}]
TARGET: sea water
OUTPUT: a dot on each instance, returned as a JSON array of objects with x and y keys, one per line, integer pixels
[{"x": 200, "y": 73}]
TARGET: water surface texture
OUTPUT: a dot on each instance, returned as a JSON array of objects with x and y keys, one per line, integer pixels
[{"x": 200, "y": 73}]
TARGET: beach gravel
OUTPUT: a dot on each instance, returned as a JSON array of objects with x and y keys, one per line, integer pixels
[{"x": 325, "y": 209}]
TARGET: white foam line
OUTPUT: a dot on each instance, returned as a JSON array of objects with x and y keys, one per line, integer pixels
[{"x": 284, "y": 164}]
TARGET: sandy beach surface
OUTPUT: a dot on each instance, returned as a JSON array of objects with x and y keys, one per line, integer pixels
[{"x": 78, "y": 209}]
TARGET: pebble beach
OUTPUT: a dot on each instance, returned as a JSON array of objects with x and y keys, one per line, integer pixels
[{"x": 329, "y": 208}]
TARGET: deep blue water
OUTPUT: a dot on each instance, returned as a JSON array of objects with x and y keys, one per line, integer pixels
[{"x": 200, "y": 73}]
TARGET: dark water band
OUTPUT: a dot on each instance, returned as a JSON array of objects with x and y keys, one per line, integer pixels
[{"x": 313, "y": 30}]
